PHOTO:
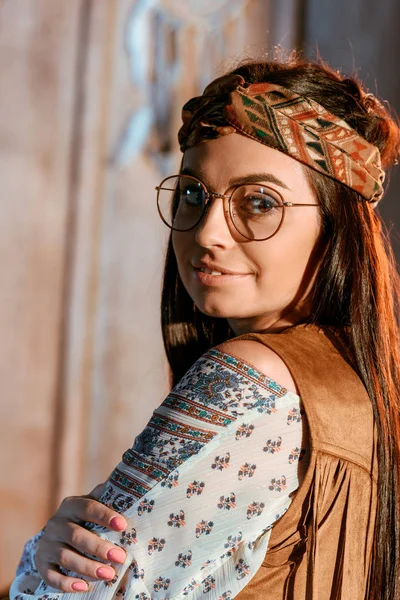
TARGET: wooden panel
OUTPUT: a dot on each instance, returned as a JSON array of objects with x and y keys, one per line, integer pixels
[
  {"x": 38, "y": 42},
  {"x": 87, "y": 198},
  {"x": 128, "y": 377},
  {"x": 129, "y": 372}
]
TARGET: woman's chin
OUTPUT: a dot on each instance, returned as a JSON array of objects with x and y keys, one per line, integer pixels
[
  {"x": 212, "y": 312},
  {"x": 219, "y": 312}
]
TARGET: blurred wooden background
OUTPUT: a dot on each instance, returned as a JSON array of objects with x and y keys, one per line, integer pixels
[{"x": 90, "y": 100}]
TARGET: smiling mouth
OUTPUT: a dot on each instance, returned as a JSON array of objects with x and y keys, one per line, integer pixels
[
  {"x": 210, "y": 272},
  {"x": 219, "y": 274}
]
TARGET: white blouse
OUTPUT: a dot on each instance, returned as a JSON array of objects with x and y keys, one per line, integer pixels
[{"x": 216, "y": 466}]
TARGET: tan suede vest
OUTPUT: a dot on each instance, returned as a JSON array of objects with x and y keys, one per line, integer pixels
[{"x": 321, "y": 548}]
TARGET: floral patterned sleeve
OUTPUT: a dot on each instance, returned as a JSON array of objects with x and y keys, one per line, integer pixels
[
  {"x": 27, "y": 559},
  {"x": 201, "y": 488}
]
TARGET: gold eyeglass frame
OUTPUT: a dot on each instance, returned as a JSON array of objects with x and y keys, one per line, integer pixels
[{"x": 207, "y": 202}]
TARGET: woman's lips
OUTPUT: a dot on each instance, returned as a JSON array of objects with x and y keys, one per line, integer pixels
[{"x": 216, "y": 280}]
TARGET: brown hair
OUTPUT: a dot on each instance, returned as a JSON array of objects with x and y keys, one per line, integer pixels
[{"x": 356, "y": 289}]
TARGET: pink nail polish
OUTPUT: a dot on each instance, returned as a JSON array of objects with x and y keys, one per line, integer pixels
[
  {"x": 105, "y": 573},
  {"x": 118, "y": 523},
  {"x": 79, "y": 586},
  {"x": 116, "y": 555}
]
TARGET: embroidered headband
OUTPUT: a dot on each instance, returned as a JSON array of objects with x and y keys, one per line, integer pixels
[{"x": 286, "y": 121}]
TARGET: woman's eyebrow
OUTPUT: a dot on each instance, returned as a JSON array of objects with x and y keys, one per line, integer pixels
[
  {"x": 258, "y": 178},
  {"x": 250, "y": 178}
]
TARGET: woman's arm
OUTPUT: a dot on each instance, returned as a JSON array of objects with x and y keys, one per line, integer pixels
[{"x": 192, "y": 479}]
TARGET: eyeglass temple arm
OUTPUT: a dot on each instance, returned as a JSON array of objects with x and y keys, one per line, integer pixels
[{"x": 298, "y": 204}]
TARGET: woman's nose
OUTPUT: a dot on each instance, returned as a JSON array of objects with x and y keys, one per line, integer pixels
[{"x": 214, "y": 228}]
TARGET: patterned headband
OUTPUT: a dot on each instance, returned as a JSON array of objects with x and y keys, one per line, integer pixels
[{"x": 286, "y": 121}]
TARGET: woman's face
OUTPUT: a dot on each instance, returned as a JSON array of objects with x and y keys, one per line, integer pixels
[{"x": 271, "y": 278}]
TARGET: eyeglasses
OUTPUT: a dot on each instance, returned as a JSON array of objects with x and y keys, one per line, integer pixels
[{"x": 256, "y": 210}]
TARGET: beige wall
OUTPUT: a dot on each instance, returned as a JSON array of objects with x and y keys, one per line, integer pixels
[{"x": 81, "y": 363}]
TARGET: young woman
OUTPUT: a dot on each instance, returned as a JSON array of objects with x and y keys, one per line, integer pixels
[{"x": 271, "y": 469}]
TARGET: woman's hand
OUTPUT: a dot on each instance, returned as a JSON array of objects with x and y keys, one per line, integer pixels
[{"x": 65, "y": 539}]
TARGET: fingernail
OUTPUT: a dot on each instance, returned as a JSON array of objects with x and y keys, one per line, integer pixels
[
  {"x": 105, "y": 573},
  {"x": 79, "y": 586},
  {"x": 118, "y": 523},
  {"x": 116, "y": 555}
]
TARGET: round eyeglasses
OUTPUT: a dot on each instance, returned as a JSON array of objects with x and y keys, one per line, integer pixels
[{"x": 256, "y": 210}]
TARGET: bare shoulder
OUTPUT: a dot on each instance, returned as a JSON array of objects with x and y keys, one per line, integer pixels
[{"x": 262, "y": 358}]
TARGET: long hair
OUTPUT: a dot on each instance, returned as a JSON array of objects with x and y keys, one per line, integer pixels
[{"x": 356, "y": 289}]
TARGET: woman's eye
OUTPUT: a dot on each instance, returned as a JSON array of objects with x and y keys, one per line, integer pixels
[
  {"x": 189, "y": 196},
  {"x": 259, "y": 204}
]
